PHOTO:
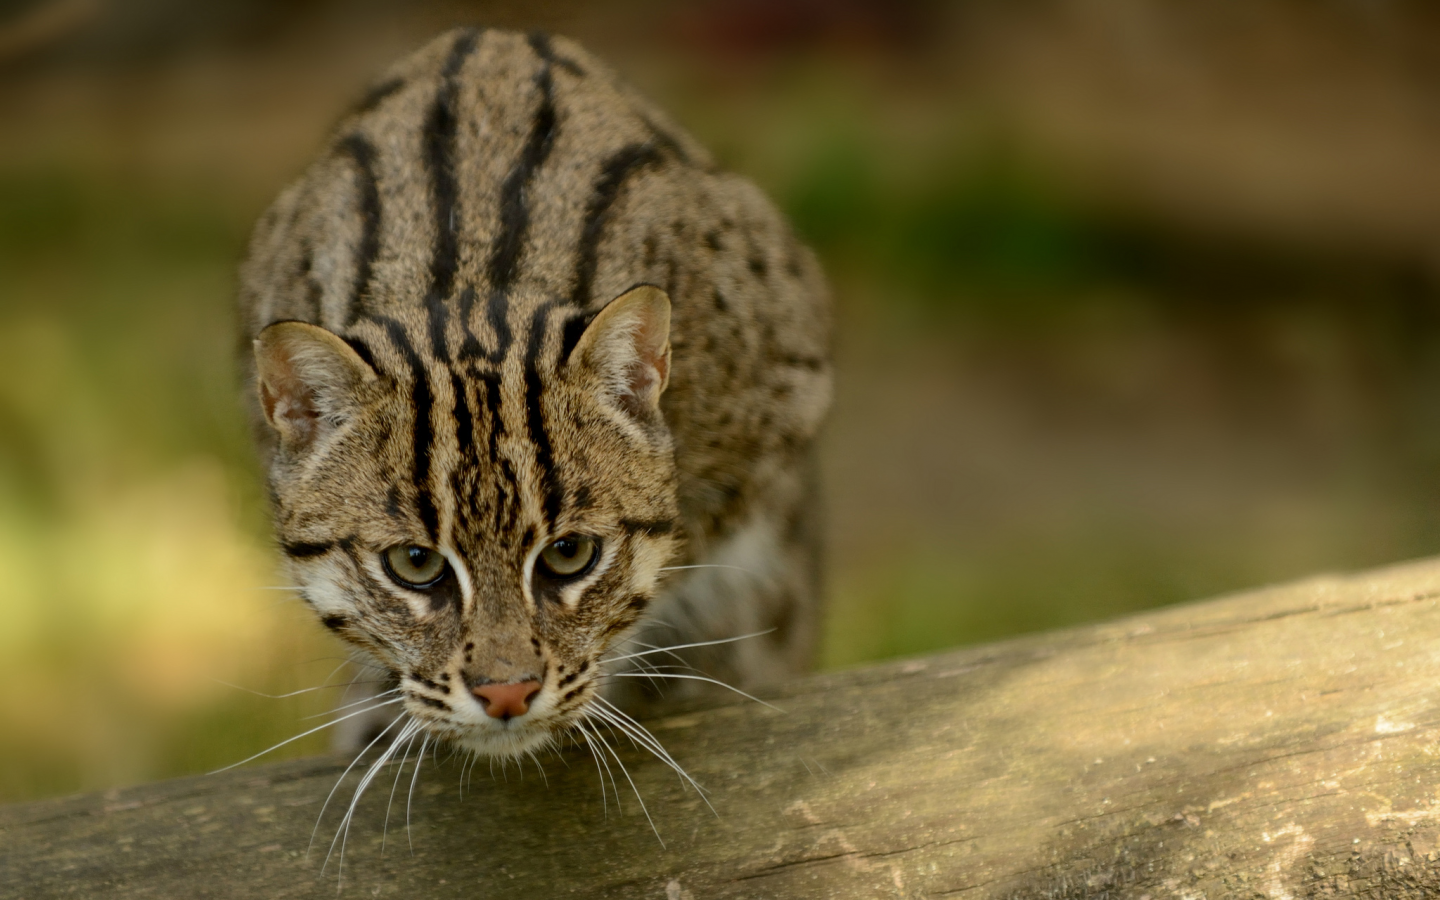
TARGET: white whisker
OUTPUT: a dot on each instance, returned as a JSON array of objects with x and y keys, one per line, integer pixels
[
  {"x": 646, "y": 667},
  {"x": 425, "y": 739},
  {"x": 351, "y": 660},
  {"x": 321, "y": 687},
  {"x": 385, "y": 829},
  {"x": 684, "y": 677},
  {"x": 626, "y": 772},
  {"x": 343, "y": 836},
  {"x": 304, "y": 734},
  {"x": 556, "y": 747},
  {"x": 642, "y": 737},
  {"x": 614, "y": 785},
  {"x": 639, "y": 732},
  {"x": 465, "y": 763},
  {"x": 341, "y": 780},
  {"x": 358, "y": 702},
  {"x": 539, "y": 768},
  {"x": 709, "y": 566},
  {"x": 729, "y": 640},
  {"x": 604, "y": 802},
  {"x": 337, "y": 668}
]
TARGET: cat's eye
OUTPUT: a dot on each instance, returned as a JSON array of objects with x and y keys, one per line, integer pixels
[
  {"x": 413, "y": 566},
  {"x": 569, "y": 557}
]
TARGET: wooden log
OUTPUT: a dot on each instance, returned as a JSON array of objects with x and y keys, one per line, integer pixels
[{"x": 1275, "y": 744}]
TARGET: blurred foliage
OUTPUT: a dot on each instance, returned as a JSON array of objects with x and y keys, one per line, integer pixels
[
  {"x": 136, "y": 570},
  {"x": 980, "y": 225}
]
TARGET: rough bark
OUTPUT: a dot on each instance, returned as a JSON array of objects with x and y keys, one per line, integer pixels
[{"x": 1275, "y": 744}]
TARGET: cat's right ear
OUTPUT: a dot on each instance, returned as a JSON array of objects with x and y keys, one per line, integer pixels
[
  {"x": 309, "y": 381},
  {"x": 628, "y": 345}
]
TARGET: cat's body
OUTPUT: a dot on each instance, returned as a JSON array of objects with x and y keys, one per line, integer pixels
[{"x": 480, "y": 414}]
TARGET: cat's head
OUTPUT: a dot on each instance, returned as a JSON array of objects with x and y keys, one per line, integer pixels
[{"x": 487, "y": 526}]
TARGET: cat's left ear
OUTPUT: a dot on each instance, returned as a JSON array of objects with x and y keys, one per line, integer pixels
[
  {"x": 628, "y": 346},
  {"x": 309, "y": 381}
]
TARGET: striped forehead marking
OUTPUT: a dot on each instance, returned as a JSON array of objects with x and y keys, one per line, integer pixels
[{"x": 468, "y": 341}]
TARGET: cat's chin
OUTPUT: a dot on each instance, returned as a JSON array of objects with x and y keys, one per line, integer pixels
[{"x": 513, "y": 739}]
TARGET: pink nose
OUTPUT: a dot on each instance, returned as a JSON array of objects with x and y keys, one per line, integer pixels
[{"x": 504, "y": 701}]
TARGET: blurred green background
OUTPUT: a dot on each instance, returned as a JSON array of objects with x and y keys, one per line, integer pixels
[{"x": 1137, "y": 300}]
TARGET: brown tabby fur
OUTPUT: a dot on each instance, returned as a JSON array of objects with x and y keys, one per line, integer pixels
[{"x": 455, "y": 245}]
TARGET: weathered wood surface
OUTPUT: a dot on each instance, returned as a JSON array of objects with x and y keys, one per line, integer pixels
[{"x": 1277, "y": 744}]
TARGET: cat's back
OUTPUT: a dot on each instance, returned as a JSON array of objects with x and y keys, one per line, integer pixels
[{"x": 495, "y": 181}]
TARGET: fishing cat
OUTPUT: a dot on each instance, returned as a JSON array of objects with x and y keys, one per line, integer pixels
[{"x": 537, "y": 387}]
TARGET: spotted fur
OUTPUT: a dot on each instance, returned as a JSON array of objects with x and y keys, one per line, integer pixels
[{"x": 442, "y": 360}]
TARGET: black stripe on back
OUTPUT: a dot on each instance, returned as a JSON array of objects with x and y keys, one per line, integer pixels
[
  {"x": 540, "y": 43},
  {"x": 438, "y": 317},
  {"x": 305, "y": 275},
  {"x": 625, "y": 162},
  {"x": 362, "y": 350},
  {"x": 504, "y": 262},
  {"x": 421, "y": 401},
  {"x": 377, "y": 94},
  {"x": 535, "y": 416},
  {"x": 362, "y": 154},
  {"x": 666, "y": 141},
  {"x": 439, "y": 141},
  {"x": 571, "y": 333}
]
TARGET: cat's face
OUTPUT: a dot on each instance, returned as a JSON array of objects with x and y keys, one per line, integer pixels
[{"x": 485, "y": 528}]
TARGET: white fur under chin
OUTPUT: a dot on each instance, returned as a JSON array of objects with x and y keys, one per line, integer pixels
[{"x": 509, "y": 741}]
